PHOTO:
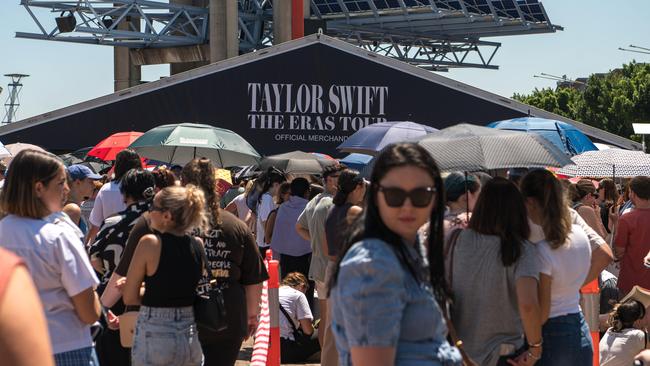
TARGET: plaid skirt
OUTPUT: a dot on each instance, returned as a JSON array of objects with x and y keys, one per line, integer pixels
[{"x": 79, "y": 357}]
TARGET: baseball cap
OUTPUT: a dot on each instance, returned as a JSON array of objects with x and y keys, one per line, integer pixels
[
  {"x": 455, "y": 184},
  {"x": 79, "y": 172}
]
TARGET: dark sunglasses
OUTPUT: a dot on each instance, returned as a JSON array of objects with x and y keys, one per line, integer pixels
[
  {"x": 395, "y": 197},
  {"x": 153, "y": 207}
]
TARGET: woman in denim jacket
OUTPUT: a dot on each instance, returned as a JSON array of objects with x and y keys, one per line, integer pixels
[{"x": 385, "y": 294}]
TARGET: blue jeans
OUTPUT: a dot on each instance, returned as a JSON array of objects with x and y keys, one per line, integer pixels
[
  {"x": 166, "y": 336},
  {"x": 79, "y": 357},
  {"x": 567, "y": 342}
]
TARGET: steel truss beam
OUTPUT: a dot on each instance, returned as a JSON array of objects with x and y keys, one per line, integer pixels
[
  {"x": 437, "y": 55},
  {"x": 149, "y": 23},
  {"x": 434, "y": 36}
]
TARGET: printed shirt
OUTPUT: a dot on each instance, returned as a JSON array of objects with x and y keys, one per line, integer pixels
[
  {"x": 112, "y": 237},
  {"x": 235, "y": 262}
]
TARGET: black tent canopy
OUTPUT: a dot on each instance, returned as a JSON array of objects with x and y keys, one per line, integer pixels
[{"x": 309, "y": 94}]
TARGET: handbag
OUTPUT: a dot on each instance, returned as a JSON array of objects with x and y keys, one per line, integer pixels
[
  {"x": 298, "y": 335},
  {"x": 467, "y": 361},
  {"x": 210, "y": 308}
]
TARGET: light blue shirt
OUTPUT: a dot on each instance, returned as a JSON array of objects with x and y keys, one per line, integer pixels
[{"x": 378, "y": 303}]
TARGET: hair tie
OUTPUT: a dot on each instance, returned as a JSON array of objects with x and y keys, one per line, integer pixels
[{"x": 148, "y": 193}]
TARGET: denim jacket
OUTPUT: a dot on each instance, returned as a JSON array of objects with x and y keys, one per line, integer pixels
[{"x": 378, "y": 303}]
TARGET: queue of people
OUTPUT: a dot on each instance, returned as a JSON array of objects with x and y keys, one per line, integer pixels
[{"x": 410, "y": 267}]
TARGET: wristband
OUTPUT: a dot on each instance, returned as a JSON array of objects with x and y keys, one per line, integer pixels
[
  {"x": 536, "y": 345},
  {"x": 531, "y": 355}
]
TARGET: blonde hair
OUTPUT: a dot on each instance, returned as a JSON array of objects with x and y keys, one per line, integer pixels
[
  {"x": 27, "y": 168},
  {"x": 186, "y": 205}
]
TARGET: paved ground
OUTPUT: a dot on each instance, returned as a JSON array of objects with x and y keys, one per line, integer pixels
[{"x": 247, "y": 350}]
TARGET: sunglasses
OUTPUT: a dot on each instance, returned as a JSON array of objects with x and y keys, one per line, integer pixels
[
  {"x": 395, "y": 197},
  {"x": 156, "y": 208}
]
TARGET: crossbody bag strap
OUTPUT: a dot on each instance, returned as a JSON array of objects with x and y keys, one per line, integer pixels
[
  {"x": 449, "y": 253},
  {"x": 286, "y": 314},
  {"x": 195, "y": 245}
]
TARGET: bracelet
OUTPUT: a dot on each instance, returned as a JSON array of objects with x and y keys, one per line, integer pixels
[
  {"x": 531, "y": 355},
  {"x": 536, "y": 345}
]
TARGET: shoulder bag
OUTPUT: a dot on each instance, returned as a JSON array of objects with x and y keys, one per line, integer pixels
[
  {"x": 209, "y": 308},
  {"x": 298, "y": 335}
]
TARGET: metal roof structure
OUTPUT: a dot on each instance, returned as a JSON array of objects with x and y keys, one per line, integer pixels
[
  {"x": 446, "y": 102},
  {"x": 434, "y": 34}
]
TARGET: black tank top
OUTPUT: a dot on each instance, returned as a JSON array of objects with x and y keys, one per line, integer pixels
[{"x": 179, "y": 270}]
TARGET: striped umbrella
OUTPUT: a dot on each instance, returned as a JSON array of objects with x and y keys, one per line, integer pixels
[
  {"x": 467, "y": 147},
  {"x": 608, "y": 163}
]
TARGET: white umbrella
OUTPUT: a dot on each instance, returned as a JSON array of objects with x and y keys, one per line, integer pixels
[{"x": 608, "y": 163}]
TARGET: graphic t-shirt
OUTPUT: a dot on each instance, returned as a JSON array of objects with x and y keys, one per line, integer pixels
[
  {"x": 235, "y": 262},
  {"x": 112, "y": 237}
]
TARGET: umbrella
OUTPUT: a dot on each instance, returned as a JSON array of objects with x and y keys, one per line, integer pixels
[
  {"x": 468, "y": 147},
  {"x": 563, "y": 135},
  {"x": 356, "y": 161},
  {"x": 608, "y": 163},
  {"x": 297, "y": 162},
  {"x": 372, "y": 138},
  {"x": 109, "y": 147},
  {"x": 17, "y": 147},
  {"x": 4, "y": 153},
  {"x": 69, "y": 159},
  {"x": 180, "y": 143}
]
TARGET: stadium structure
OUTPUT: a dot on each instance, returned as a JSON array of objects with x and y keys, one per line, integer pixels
[{"x": 432, "y": 34}]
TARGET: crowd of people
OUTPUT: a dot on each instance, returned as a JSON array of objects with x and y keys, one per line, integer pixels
[{"x": 411, "y": 266}]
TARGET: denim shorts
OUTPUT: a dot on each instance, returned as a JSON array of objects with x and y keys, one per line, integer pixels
[
  {"x": 79, "y": 357},
  {"x": 166, "y": 336},
  {"x": 567, "y": 342}
]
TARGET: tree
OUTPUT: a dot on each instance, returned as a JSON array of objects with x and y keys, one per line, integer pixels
[{"x": 611, "y": 102}]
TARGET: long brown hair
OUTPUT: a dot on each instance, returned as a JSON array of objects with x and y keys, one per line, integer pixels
[
  {"x": 500, "y": 211},
  {"x": 18, "y": 195},
  {"x": 200, "y": 172},
  {"x": 542, "y": 186}
]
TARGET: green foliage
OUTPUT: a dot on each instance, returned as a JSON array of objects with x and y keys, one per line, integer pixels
[{"x": 611, "y": 102}]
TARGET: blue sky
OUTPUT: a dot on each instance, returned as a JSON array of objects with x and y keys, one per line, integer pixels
[{"x": 64, "y": 74}]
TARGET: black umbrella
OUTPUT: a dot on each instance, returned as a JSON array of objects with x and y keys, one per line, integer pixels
[{"x": 297, "y": 162}]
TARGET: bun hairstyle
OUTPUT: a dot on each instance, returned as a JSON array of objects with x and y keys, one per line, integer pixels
[
  {"x": 18, "y": 196},
  {"x": 200, "y": 172},
  {"x": 579, "y": 190},
  {"x": 542, "y": 186},
  {"x": 138, "y": 184},
  {"x": 186, "y": 205},
  {"x": 347, "y": 183},
  {"x": 624, "y": 315},
  {"x": 163, "y": 177},
  {"x": 370, "y": 225}
]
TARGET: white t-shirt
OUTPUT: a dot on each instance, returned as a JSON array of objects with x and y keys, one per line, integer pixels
[
  {"x": 60, "y": 268},
  {"x": 619, "y": 348},
  {"x": 242, "y": 207},
  {"x": 264, "y": 208},
  {"x": 568, "y": 265},
  {"x": 109, "y": 201},
  {"x": 295, "y": 303}
]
